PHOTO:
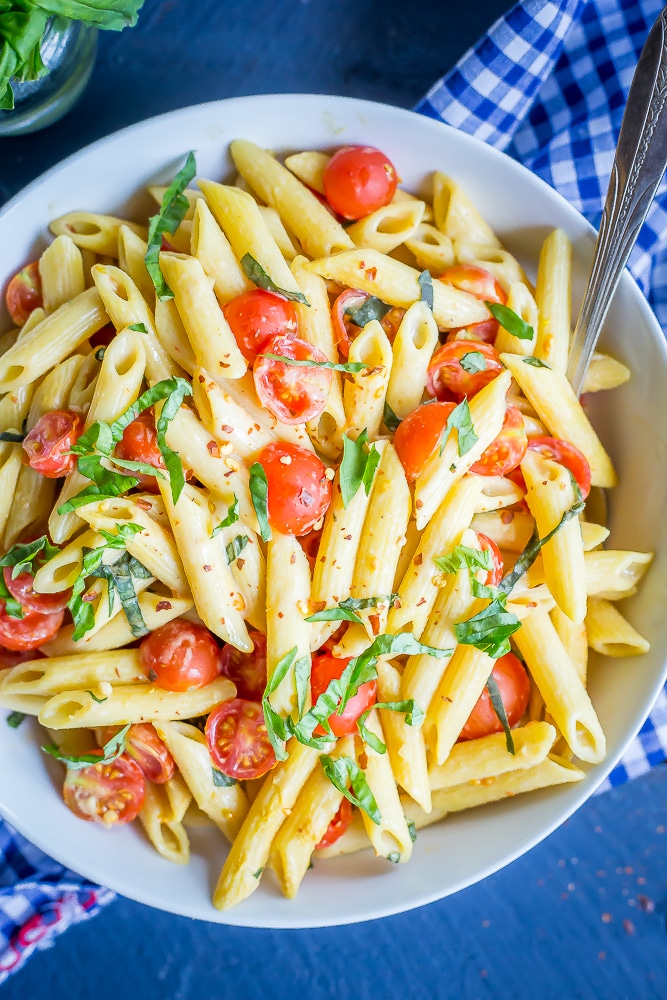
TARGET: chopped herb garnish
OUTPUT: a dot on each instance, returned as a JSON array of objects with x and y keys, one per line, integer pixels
[
  {"x": 95, "y": 698},
  {"x": 348, "y": 366},
  {"x": 234, "y": 548},
  {"x": 394, "y": 857},
  {"x": 463, "y": 556},
  {"x": 14, "y": 719},
  {"x": 412, "y": 829},
  {"x": 346, "y": 610},
  {"x": 357, "y": 467},
  {"x": 276, "y": 727},
  {"x": 83, "y": 613},
  {"x": 256, "y": 273},
  {"x": 499, "y": 709},
  {"x": 139, "y": 327},
  {"x": 368, "y": 310},
  {"x": 107, "y": 755},
  {"x": 259, "y": 494},
  {"x": 390, "y": 419},
  {"x": 172, "y": 212},
  {"x": 509, "y": 321},
  {"x": 27, "y": 557},
  {"x": 425, "y": 282},
  {"x": 230, "y": 518},
  {"x": 535, "y": 362},
  {"x": 258, "y": 873},
  {"x": 99, "y": 353},
  {"x": 302, "y": 669},
  {"x": 460, "y": 420},
  {"x": 342, "y": 771},
  {"x": 473, "y": 361},
  {"x": 490, "y": 629},
  {"x": 413, "y": 717},
  {"x": 12, "y": 607},
  {"x": 221, "y": 780}
]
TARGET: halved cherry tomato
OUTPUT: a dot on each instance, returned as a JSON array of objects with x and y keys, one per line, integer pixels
[
  {"x": 103, "y": 337},
  {"x": 106, "y": 793},
  {"x": 292, "y": 393},
  {"x": 144, "y": 745},
  {"x": 30, "y": 631},
  {"x": 445, "y": 373},
  {"x": 21, "y": 588},
  {"x": 11, "y": 658},
  {"x": 299, "y": 491},
  {"x": 180, "y": 656},
  {"x": 345, "y": 330},
  {"x": 325, "y": 669},
  {"x": 258, "y": 315},
  {"x": 475, "y": 281},
  {"x": 139, "y": 444},
  {"x": 514, "y": 686},
  {"x": 247, "y": 670},
  {"x": 487, "y": 544},
  {"x": 48, "y": 443},
  {"x": 484, "y": 332},
  {"x": 337, "y": 826},
  {"x": 358, "y": 180},
  {"x": 566, "y": 454},
  {"x": 418, "y": 435},
  {"x": 238, "y": 741},
  {"x": 24, "y": 293},
  {"x": 507, "y": 450}
]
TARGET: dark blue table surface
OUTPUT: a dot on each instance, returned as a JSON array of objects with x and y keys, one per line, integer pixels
[{"x": 582, "y": 917}]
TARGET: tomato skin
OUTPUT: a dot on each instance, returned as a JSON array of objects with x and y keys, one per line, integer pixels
[
  {"x": 257, "y": 316},
  {"x": 484, "y": 332},
  {"x": 293, "y": 394},
  {"x": 446, "y": 375},
  {"x": 506, "y": 451},
  {"x": 417, "y": 436},
  {"x": 139, "y": 444},
  {"x": 109, "y": 794},
  {"x": 180, "y": 656},
  {"x": 49, "y": 441},
  {"x": 238, "y": 741},
  {"x": 246, "y": 670},
  {"x": 475, "y": 281},
  {"x": 337, "y": 826},
  {"x": 358, "y": 180},
  {"x": 566, "y": 454},
  {"x": 10, "y": 658},
  {"x": 21, "y": 589},
  {"x": 514, "y": 686},
  {"x": 310, "y": 543},
  {"x": 103, "y": 337},
  {"x": 299, "y": 491},
  {"x": 327, "y": 667},
  {"x": 144, "y": 746},
  {"x": 487, "y": 544},
  {"x": 29, "y": 632},
  {"x": 24, "y": 293}
]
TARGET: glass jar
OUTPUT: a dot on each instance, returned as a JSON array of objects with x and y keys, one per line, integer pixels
[{"x": 68, "y": 51}]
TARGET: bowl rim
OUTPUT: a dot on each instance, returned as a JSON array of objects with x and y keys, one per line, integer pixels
[{"x": 601, "y": 771}]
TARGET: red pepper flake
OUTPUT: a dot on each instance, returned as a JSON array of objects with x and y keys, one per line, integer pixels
[
  {"x": 419, "y": 504},
  {"x": 202, "y": 379},
  {"x": 212, "y": 448},
  {"x": 418, "y": 559},
  {"x": 207, "y": 568},
  {"x": 280, "y": 614},
  {"x": 142, "y": 504},
  {"x": 507, "y": 516},
  {"x": 422, "y": 600},
  {"x": 347, "y": 538},
  {"x": 90, "y": 597},
  {"x": 227, "y": 429},
  {"x": 240, "y": 563},
  {"x": 163, "y": 606},
  {"x": 375, "y": 623},
  {"x": 371, "y": 273},
  {"x": 292, "y": 559},
  {"x": 316, "y": 606}
]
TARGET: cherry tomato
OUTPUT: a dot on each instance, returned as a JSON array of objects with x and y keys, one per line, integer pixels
[
  {"x": 180, "y": 656},
  {"x": 358, "y": 180},
  {"x": 417, "y": 436},
  {"x": 445, "y": 373},
  {"x": 292, "y": 393},
  {"x": 327, "y": 667},
  {"x": 507, "y": 450},
  {"x": 514, "y": 686},
  {"x": 337, "y": 826},
  {"x": 299, "y": 491},
  {"x": 139, "y": 444},
  {"x": 48, "y": 443},
  {"x": 247, "y": 670},
  {"x": 484, "y": 332},
  {"x": 345, "y": 329},
  {"x": 238, "y": 741},
  {"x": 144, "y": 745},
  {"x": 30, "y": 631},
  {"x": 24, "y": 293},
  {"x": 258, "y": 315},
  {"x": 21, "y": 588},
  {"x": 487, "y": 544},
  {"x": 106, "y": 793},
  {"x": 475, "y": 281},
  {"x": 103, "y": 337},
  {"x": 566, "y": 454},
  {"x": 10, "y": 658}
]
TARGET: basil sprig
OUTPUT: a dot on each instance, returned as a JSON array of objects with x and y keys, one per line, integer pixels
[
  {"x": 259, "y": 494},
  {"x": 27, "y": 557},
  {"x": 509, "y": 321},
  {"x": 343, "y": 772},
  {"x": 172, "y": 212},
  {"x": 499, "y": 708},
  {"x": 82, "y": 611},
  {"x": 425, "y": 282},
  {"x": 371, "y": 308},
  {"x": 109, "y": 753},
  {"x": 357, "y": 466},
  {"x": 390, "y": 419},
  {"x": 346, "y": 611},
  {"x": 230, "y": 518},
  {"x": 473, "y": 361},
  {"x": 256, "y": 273},
  {"x": 414, "y": 716},
  {"x": 348, "y": 366},
  {"x": 460, "y": 420}
]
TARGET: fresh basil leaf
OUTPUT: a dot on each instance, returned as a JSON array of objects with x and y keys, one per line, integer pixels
[
  {"x": 344, "y": 770},
  {"x": 259, "y": 494},
  {"x": 361, "y": 603},
  {"x": 172, "y": 212},
  {"x": 180, "y": 389},
  {"x": 221, "y": 780},
  {"x": 120, "y": 573},
  {"x": 12, "y": 436},
  {"x": 412, "y": 829},
  {"x": 107, "y": 485},
  {"x": 532, "y": 549},
  {"x": 351, "y": 366},
  {"x": 99, "y": 353},
  {"x": 138, "y": 327},
  {"x": 131, "y": 466},
  {"x": 410, "y": 709},
  {"x": 369, "y": 738},
  {"x": 302, "y": 669},
  {"x": 357, "y": 467},
  {"x": 499, "y": 709},
  {"x": 489, "y": 630},
  {"x": 234, "y": 548},
  {"x": 337, "y": 614},
  {"x": 12, "y": 606},
  {"x": 509, "y": 321},
  {"x": 28, "y": 556},
  {"x": 276, "y": 726},
  {"x": 256, "y": 273},
  {"x": 138, "y": 570},
  {"x": 112, "y": 15},
  {"x": 230, "y": 518},
  {"x": 95, "y": 698},
  {"x": 14, "y": 719},
  {"x": 425, "y": 282},
  {"x": 535, "y": 362},
  {"x": 370, "y": 309},
  {"x": 460, "y": 420},
  {"x": 394, "y": 857},
  {"x": 389, "y": 418},
  {"x": 463, "y": 556},
  {"x": 361, "y": 668},
  {"x": 98, "y": 436},
  {"x": 473, "y": 361},
  {"x": 83, "y": 614},
  {"x": 110, "y": 752},
  {"x": 258, "y": 873},
  {"x": 126, "y": 531}
]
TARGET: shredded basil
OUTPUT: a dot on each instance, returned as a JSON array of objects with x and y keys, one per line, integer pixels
[
  {"x": 394, "y": 857},
  {"x": 256, "y": 273},
  {"x": 461, "y": 420},
  {"x": 109, "y": 753},
  {"x": 120, "y": 575},
  {"x": 413, "y": 717},
  {"x": 509, "y": 321},
  {"x": 230, "y": 518},
  {"x": 14, "y": 719},
  {"x": 412, "y": 829},
  {"x": 348, "y": 366},
  {"x": 221, "y": 780},
  {"x": 234, "y": 548},
  {"x": 343, "y": 770},
  {"x": 371, "y": 308},
  {"x": 13, "y": 607},
  {"x": 473, "y": 361},
  {"x": 302, "y": 669},
  {"x": 83, "y": 614},
  {"x": 259, "y": 494},
  {"x": 27, "y": 557},
  {"x": 277, "y": 727},
  {"x": 463, "y": 556},
  {"x": 390, "y": 419},
  {"x": 138, "y": 327},
  {"x": 425, "y": 282},
  {"x": 535, "y": 362},
  {"x": 95, "y": 698},
  {"x": 357, "y": 466},
  {"x": 172, "y": 212},
  {"x": 499, "y": 709},
  {"x": 346, "y": 610},
  {"x": 490, "y": 629},
  {"x": 99, "y": 353}
]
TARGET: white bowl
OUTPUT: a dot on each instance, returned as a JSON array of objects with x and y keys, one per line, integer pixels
[{"x": 106, "y": 177}]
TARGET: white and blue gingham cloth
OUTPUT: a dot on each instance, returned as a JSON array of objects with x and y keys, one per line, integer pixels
[{"x": 548, "y": 85}]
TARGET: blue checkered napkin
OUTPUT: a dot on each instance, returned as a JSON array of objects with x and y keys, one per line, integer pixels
[{"x": 548, "y": 85}]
